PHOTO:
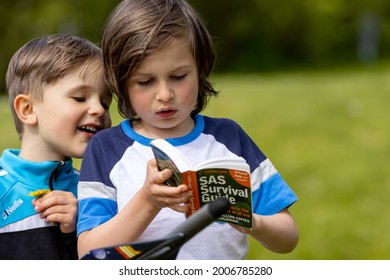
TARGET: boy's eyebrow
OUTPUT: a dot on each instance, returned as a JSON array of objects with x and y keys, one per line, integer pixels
[
  {"x": 81, "y": 86},
  {"x": 86, "y": 88},
  {"x": 180, "y": 68}
]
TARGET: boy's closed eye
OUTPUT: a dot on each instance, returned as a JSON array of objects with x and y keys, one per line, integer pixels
[
  {"x": 105, "y": 104},
  {"x": 148, "y": 82},
  {"x": 145, "y": 82},
  {"x": 79, "y": 98},
  {"x": 178, "y": 77}
]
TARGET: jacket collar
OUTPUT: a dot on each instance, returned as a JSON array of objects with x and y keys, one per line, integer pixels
[{"x": 40, "y": 174}]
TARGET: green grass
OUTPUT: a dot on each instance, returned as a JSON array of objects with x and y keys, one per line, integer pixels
[{"x": 327, "y": 133}]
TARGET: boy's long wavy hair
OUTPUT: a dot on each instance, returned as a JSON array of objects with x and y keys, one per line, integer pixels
[{"x": 137, "y": 28}]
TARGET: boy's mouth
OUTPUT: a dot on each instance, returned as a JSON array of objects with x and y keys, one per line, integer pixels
[
  {"x": 88, "y": 129},
  {"x": 167, "y": 113}
]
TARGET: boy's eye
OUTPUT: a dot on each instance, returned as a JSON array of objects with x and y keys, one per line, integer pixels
[
  {"x": 145, "y": 83},
  {"x": 79, "y": 98},
  {"x": 179, "y": 77}
]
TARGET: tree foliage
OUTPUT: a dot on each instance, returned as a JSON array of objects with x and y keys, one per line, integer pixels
[
  {"x": 250, "y": 35},
  {"x": 263, "y": 34},
  {"x": 23, "y": 20}
]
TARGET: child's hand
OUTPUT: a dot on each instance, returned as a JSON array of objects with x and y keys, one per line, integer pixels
[
  {"x": 160, "y": 195},
  {"x": 60, "y": 207}
]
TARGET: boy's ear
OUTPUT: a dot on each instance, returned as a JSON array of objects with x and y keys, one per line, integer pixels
[{"x": 24, "y": 108}]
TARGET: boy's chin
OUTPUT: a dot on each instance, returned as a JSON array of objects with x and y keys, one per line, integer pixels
[{"x": 77, "y": 154}]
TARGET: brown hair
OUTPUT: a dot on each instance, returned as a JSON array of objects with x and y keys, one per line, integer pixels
[
  {"x": 136, "y": 28},
  {"x": 42, "y": 62}
]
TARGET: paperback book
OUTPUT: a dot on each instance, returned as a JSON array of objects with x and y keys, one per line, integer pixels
[{"x": 213, "y": 178}]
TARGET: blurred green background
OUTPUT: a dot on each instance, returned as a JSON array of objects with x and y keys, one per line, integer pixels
[{"x": 310, "y": 83}]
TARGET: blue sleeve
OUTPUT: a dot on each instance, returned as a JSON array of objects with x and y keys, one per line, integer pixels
[
  {"x": 272, "y": 196},
  {"x": 270, "y": 193},
  {"x": 96, "y": 193}
]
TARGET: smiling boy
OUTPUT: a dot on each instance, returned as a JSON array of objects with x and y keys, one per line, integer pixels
[{"x": 58, "y": 100}]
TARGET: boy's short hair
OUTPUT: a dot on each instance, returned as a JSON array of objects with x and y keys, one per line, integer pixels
[
  {"x": 43, "y": 61},
  {"x": 136, "y": 29}
]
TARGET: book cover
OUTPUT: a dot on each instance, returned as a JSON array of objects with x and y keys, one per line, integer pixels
[{"x": 213, "y": 178}]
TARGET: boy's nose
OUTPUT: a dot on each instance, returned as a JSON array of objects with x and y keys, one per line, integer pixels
[
  {"x": 97, "y": 109},
  {"x": 165, "y": 92}
]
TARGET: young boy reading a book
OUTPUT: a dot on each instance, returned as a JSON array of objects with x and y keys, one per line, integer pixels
[{"x": 158, "y": 56}]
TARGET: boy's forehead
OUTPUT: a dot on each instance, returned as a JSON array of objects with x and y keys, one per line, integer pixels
[
  {"x": 178, "y": 49},
  {"x": 90, "y": 68},
  {"x": 82, "y": 71},
  {"x": 89, "y": 75}
]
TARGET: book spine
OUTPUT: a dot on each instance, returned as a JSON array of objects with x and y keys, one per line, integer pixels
[{"x": 189, "y": 179}]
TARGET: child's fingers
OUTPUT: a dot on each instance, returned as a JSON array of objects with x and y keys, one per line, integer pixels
[
  {"x": 34, "y": 201},
  {"x": 55, "y": 198},
  {"x": 163, "y": 196},
  {"x": 66, "y": 220},
  {"x": 51, "y": 214},
  {"x": 172, "y": 195},
  {"x": 58, "y": 217},
  {"x": 183, "y": 208},
  {"x": 163, "y": 175},
  {"x": 67, "y": 209},
  {"x": 65, "y": 215}
]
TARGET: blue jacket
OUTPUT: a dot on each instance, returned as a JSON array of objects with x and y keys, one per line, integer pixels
[{"x": 23, "y": 234}]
